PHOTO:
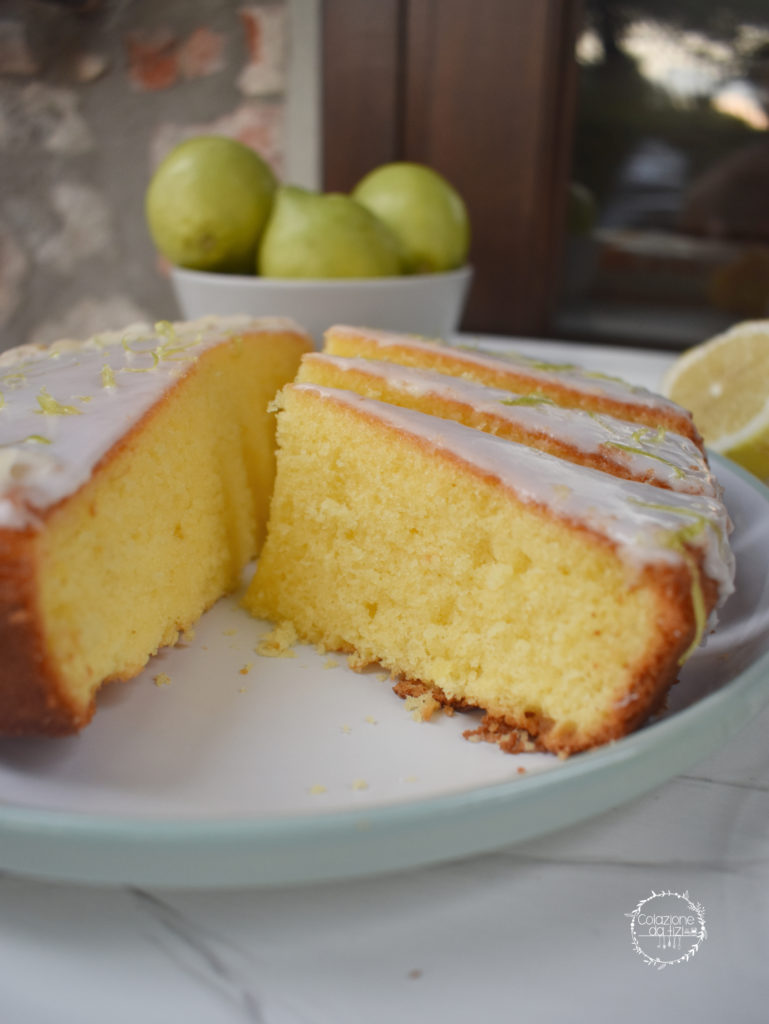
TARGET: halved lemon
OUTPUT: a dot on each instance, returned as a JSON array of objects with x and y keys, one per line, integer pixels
[{"x": 724, "y": 383}]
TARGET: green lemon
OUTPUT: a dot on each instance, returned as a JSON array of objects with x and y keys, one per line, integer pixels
[
  {"x": 424, "y": 211},
  {"x": 207, "y": 204},
  {"x": 319, "y": 236}
]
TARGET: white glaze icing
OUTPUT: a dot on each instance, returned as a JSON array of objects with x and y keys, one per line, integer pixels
[
  {"x": 642, "y": 521},
  {"x": 671, "y": 459},
  {"x": 65, "y": 405},
  {"x": 571, "y": 376}
]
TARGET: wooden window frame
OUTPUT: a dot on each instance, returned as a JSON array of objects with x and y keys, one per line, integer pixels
[{"x": 482, "y": 90}]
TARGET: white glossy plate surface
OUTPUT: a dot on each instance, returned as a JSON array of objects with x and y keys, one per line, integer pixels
[{"x": 251, "y": 770}]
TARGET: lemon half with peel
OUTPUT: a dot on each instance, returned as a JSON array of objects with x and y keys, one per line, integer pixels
[{"x": 724, "y": 383}]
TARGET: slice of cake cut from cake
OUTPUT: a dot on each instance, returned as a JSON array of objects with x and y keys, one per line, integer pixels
[
  {"x": 636, "y": 452},
  {"x": 567, "y": 385},
  {"x": 559, "y": 599},
  {"x": 135, "y": 476}
]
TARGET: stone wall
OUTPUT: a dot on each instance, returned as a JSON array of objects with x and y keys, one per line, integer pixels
[{"x": 92, "y": 94}]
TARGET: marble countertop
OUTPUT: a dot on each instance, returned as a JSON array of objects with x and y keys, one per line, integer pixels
[{"x": 540, "y": 929}]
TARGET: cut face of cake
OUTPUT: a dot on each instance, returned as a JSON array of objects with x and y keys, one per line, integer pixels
[
  {"x": 135, "y": 476},
  {"x": 567, "y": 385},
  {"x": 636, "y": 452},
  {"x": 559, "y": 599}
]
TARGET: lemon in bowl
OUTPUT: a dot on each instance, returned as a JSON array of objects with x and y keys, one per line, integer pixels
[
  {"x": 207, "y": 204},
  {"x": 724, "y": 383},
  {"x": 423, "y": 210}
]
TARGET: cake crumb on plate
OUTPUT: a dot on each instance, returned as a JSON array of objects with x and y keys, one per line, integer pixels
[{"x": 278, "y": 642}]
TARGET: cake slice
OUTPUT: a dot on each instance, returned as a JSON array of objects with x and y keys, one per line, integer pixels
[
  {"x": 567, "y": 385},
  {"x": 630, "y": 450},
  {"x": 559, "y": 599},
  {"x": 135, "y": 476}
]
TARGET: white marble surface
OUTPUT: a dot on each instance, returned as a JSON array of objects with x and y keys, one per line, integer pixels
[{"x": 538, "y": 930}]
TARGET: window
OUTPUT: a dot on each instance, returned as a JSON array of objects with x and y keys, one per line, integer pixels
[{"x": 668, "y": 228}]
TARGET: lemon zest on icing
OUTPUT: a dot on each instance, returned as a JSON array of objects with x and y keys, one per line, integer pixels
[
  {"x": 174, "y": 349},
  {"x": 49, "y": 406},
  {"x": 528, "y": 400},
  {"x": 597, "y": 375},
  {"x": 698, "y": 603},
  {"x": 538, "y": 364},
  {"x": 677, "y": 541},
  {"x": 37, "y": 438},
  {"x": 108, "y": 376},
  {"x": 649, "y": 434},
  {"x": 143, "y": 369},
  {"x": 165, "y": 329},
  {"x": 649, "y": 455}
]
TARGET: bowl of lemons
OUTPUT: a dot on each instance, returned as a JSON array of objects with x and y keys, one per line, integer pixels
[{"x": 392, "y": 254}]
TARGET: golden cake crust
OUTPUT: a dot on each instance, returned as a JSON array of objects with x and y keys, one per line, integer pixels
[{"x": 30, "y": 694}]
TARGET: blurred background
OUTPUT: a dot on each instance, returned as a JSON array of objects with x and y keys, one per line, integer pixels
[{"x": 614, "y": 155}]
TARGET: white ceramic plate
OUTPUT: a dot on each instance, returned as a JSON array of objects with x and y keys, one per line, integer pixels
[{"x": 245, "y": 770}]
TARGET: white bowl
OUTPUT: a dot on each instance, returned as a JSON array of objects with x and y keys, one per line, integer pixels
[{"x": 429, "y": 304}]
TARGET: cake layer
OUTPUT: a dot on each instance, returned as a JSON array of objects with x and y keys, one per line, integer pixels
[
  {"x": 566, "y": 384},
  {"x": 559, "y": 599},
  {"x": 135, "y": 477},
  {"x": 655, "y": 456}
]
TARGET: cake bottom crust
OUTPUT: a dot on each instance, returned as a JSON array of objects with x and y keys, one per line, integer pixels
[{"x": 510, "y": 736}]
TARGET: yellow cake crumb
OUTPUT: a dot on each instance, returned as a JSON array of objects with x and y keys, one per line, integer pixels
[
  {"x": 317, "y": 789},
  {"x": 278, "y": 642},
  {"x": 360, "y": 784},
  {"x": 161, "y": 679},
  {"x": 356, "y": 662},
  {"x": 371, "y": 720},
  {"x": 330, "y": 663},
  {"x": 346, "y": 728},
  {"x": 186, "y": 637},
  {"x": 246, "y": 668},
  {"x": 422, "y": 706}
]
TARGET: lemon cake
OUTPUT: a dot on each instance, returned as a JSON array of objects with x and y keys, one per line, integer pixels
[
  {"x": 568, "y": 385},
  {"x": 559, "y": 599},
  {"x": 636, "y": 452},
  {"x": 135, "y": 475}
]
